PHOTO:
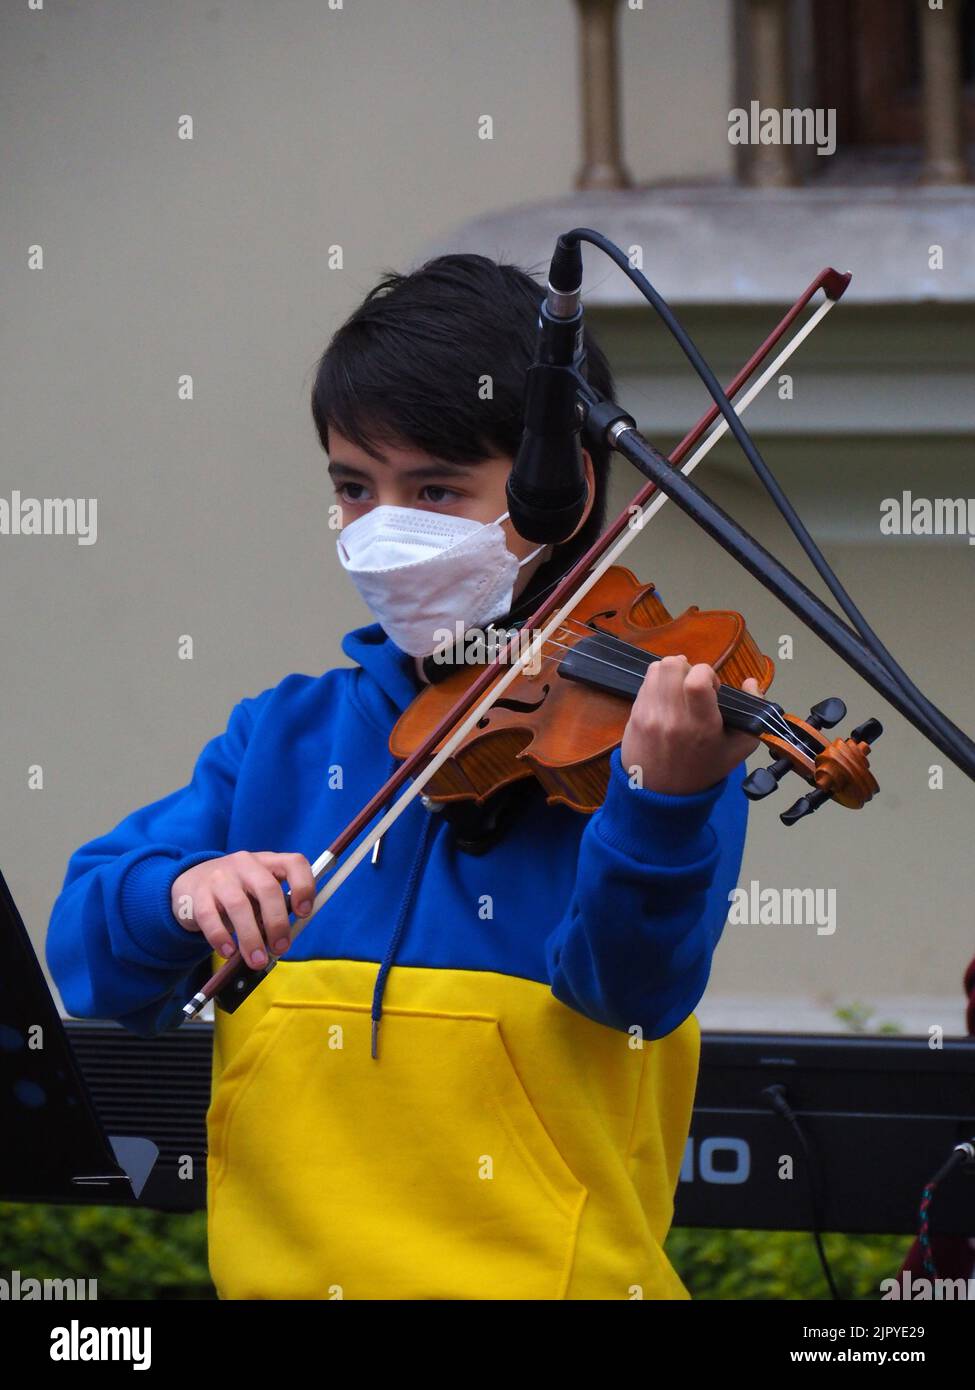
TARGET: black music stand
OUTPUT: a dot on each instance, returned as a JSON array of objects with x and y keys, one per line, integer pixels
[{"x": 55, "y": 1148}]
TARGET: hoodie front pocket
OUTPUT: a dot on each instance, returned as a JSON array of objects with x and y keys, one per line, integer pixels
[{"x": 427, "y": 1173}]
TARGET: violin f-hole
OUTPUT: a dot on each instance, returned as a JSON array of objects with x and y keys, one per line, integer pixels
[{"x": 517, "y": 706}]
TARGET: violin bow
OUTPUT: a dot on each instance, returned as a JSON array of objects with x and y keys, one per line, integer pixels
[{"x": 235, "y": 979}]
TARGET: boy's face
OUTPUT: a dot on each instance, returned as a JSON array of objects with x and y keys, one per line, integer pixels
[{"x": 406, "y": 477}]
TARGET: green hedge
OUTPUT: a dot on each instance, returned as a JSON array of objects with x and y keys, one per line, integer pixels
[
  {"x": 132, "y": 1252},
  {"x": 135, "y": 1253},
  {"x": 782, "y": 1264}
]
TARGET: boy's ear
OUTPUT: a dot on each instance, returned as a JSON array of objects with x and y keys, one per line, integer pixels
[{"x": 591, "y": 498}]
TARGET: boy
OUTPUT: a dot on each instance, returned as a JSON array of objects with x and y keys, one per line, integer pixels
[{"x": 515, "y": 1127}]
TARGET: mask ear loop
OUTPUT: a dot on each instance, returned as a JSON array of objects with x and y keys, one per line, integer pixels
[
  {"x": 537, "y": 595},
  {"x": 507, "y": 516}
]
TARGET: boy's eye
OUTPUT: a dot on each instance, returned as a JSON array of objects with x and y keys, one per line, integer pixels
[
  {"x": 446, "y": 494},
  {"x": 344, "y": 493},
  {"x": 358, "y": 493}
]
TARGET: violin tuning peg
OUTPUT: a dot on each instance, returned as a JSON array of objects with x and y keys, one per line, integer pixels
[
  {"x": 764, "y": 780},
  {"x": 827, "y": 713},
  {"x": 868, "y": 732},
  {"x": 804, "y": 806},
  {"x": 797, "y": 811},
  {"x": 759, "y": 783}
]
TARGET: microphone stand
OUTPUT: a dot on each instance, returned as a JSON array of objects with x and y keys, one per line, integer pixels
[{"x": 606, "y": 421}]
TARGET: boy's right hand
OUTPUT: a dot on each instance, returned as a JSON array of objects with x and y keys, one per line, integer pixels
[{"x": 242, "y": 893}]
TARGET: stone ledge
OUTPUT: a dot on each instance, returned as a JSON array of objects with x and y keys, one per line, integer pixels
[
  {"x": 716, "y": 244},
  {"x": 913, "y": 1014}
]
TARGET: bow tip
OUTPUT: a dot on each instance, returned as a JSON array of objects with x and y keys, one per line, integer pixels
[{"x": 835, "y": 282}]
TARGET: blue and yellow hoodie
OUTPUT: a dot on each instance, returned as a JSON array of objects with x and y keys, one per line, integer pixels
[{"x": 520, "y": 1131}]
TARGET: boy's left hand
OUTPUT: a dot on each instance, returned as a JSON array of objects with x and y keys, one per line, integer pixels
[{"x": 675, "y": 732}]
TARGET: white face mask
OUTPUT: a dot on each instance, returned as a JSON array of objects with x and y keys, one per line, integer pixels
[{"x": 421, "y": 572}]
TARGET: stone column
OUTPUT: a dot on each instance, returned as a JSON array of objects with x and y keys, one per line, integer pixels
[
  {"x": 769, "y": 166},
  {"x": 942, "y": 113},
  {"x": 602, "y": 165}
]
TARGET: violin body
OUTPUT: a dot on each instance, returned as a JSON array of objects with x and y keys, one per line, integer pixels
[{"x": 562, "y": 730}]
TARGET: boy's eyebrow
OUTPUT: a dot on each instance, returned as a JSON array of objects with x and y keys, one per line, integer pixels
[{"x": 434, "y": 469}]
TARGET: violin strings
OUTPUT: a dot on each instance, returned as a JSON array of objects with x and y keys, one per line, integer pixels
[
  {"x": 742, "y": 701},
  {"x": 737, "y": 701},
  {"x": 646, "y": 659},
  {"x": 761, "y": 708}
]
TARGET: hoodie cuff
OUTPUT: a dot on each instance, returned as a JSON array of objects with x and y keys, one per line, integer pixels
[
  {"x": 653, "y": 827},
  {"x": 147, "y": 910}
]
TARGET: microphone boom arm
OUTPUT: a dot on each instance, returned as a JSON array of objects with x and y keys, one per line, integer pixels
[{"x": 607, "y": 419}]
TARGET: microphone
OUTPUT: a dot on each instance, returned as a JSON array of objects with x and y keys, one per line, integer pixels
[{"x": 546, "y": 488}]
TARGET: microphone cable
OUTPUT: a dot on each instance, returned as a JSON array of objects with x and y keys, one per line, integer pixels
[
  {"x": 961, "y": 1154},
  {"x": 963, "y": 746},
  {"x": 777, "y": 1098}
]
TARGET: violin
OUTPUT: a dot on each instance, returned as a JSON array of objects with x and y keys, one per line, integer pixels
[{"x": 560, "y": 719}]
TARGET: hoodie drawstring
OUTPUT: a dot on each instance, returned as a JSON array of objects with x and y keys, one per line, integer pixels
[{"x": 395, "y": 939}]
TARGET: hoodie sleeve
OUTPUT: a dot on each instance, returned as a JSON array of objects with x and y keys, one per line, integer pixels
[
  {"x": 113, "y": 947},
  {"x": 650, "y": 901}
]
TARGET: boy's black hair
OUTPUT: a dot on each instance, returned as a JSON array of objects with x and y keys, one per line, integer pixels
[{"x": 408, "y": 366}]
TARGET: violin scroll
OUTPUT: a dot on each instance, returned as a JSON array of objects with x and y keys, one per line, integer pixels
[{"x": 837, "y": 770}]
